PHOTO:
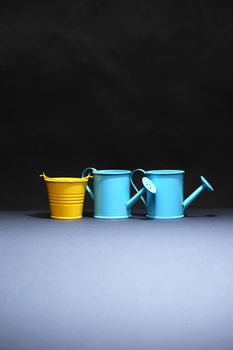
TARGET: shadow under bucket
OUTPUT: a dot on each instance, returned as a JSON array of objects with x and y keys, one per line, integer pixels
[{"x": 66, "y": 196}]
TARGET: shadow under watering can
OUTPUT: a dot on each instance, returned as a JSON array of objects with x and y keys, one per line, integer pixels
[
  {"x": 168, "y": 202},
  {"x": 111, "y": 193}
]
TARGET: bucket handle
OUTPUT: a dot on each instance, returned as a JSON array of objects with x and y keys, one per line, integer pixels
[
  {"x": 85, "y": 173},
  {"x": 133, "y": 184},
  {"x": 43, "y": 175}
]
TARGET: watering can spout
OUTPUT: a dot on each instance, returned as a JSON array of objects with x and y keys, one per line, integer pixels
[
  {"x": 204, "y": 186},
  {"x": 91, "y": 193},
  {"x": 86, "y": 172},
  {"x": 148, "y": 185}
]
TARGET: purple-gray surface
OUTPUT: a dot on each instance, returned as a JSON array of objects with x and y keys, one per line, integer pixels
[{"x": 132, "y": 284}]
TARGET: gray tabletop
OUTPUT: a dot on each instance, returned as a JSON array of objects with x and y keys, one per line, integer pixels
[{"x": 128, "y": 284}]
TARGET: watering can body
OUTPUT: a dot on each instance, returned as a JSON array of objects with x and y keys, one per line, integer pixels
[
  {"x": 168, "y": 202},
  {"x": 111, "y": 193}
]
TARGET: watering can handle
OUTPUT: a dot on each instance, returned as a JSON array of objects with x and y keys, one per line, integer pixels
[
  {"x": 133, "y": 184},
  {"x": 84, "y": 174}
]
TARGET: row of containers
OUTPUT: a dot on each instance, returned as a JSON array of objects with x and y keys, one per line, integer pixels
[{"x": 161, "y": 192}]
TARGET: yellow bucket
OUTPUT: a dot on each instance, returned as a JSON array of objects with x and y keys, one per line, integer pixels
[{"x": 66, "y": 196}]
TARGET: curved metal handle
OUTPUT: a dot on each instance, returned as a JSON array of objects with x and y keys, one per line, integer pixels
[
  {"x": 43, "y": 175},
  {"x": 133, "y": 184},
  {"x": 84, "y": 174}
]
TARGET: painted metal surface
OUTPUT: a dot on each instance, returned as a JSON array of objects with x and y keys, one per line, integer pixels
[
  {"x": 168, "y": 202},
  {"x": 111, "y": 193},
  {"x": 66, "y": 196}
]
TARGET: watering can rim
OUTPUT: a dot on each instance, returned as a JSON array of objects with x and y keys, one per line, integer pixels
[
  {"x": 165, "y": 172},
  {"x": 65, "y": 179},
  {"x": 111, "y": 172}
]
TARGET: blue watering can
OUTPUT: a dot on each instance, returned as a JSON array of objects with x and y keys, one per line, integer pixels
[
  {"x": 112, "y": 193},
  {"x": 168, "y": 202}
]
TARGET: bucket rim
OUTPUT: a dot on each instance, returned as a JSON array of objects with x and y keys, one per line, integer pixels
[
  {"x": 165, "y": 172},
  {"x": 111, "y": 172},
  {"x": 66, "y": 179}
]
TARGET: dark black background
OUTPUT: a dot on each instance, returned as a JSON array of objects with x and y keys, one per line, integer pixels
[{"x": 115, "y": 84}]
